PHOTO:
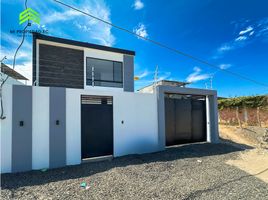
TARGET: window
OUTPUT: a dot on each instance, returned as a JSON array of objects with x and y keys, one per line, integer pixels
[{"x": 104, "y": 73}]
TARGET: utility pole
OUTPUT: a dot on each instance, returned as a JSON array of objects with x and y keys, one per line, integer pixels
[
  {"x": 155, "y": 76},
  {"x": 211, "y": 82}
]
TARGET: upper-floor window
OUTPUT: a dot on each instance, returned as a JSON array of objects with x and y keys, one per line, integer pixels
[{"x": 104, "y": 73}]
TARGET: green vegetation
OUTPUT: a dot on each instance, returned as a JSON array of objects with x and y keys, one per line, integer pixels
[{"x": 241, "y": 102}]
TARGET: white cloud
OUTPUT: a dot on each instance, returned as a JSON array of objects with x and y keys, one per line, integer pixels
[
  {"x": 197, "y": 76},
  {"x": 24, "y": 55},
  {"x": 138, "y": 5},
  {"x": 247, "y": 33},
  {"x": 248, "y": 29},
  {"x": 82, "y": 27},
  {"x": 141, "y": 30},
  {"x": 143, "y": 74},
  {"x": 96, "y": 30},
  {"x": 164, "y": 76},
  {"x": 58, "y": 16},
  {"x": 225, "y": 66},
  {"x": 14, "y": 40},
  {"x": 147, "y": 78},
  {"x": 224, "y": 47},
  {"x": 241, "y": 38}
]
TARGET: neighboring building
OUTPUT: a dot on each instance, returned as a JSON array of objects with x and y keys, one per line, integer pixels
[
  {"x": 151, "y": 88},
  {"x": 14, "y": 78},
  {"x": 83, "y": 105}
]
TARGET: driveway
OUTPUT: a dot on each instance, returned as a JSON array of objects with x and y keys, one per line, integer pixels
[{"x": 198, "y": 171}]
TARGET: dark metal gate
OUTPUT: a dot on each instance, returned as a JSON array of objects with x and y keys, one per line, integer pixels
[
  {"x": 96, "y": 126},
  {"x": 185, "y": 119}
]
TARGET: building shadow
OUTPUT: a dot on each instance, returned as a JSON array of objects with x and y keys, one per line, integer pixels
[
  {"x": 197, "y": 193},
  {"x": 37, "y": 177},
  {"x": 237, "y": 145}
]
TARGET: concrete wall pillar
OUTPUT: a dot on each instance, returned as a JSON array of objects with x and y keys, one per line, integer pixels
[{"x": 213, "y": 116}]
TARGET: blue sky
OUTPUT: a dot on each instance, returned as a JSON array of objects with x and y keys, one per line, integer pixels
[{"x": 230, "y": 34}]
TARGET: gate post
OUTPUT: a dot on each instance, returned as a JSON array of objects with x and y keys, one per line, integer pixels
[{"x": 208, "y": 119}]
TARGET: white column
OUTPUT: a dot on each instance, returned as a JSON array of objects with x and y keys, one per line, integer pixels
[
  {"x": 208, "y": 119},
  {"x": 73, "y": 126},
  {"x": 37, "y": 64},
  {"x": 6, "y": 130},
  {"x": 40, "y": 137}
]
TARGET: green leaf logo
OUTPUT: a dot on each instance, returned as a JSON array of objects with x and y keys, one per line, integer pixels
[{"x": 29, "y": 14}]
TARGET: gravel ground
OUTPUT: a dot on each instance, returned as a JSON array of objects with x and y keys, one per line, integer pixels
[{"x": 196, "y": 171}]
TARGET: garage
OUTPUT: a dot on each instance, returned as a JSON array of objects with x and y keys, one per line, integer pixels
[
  {"x": 185, "y": 118},
  {"x": 96, "y": 126}
]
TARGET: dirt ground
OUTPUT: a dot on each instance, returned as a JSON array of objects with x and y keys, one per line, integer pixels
[
  {"x": 254, "y": 160},
  {"x": 251, "y": 135},
  {"x": 237, "y": 168},
  {"x": 195, "y": 171}
]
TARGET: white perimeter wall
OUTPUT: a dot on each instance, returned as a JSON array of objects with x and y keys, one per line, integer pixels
[
  {"x": 40, "y": 128},
  {"x": 6, "y": 129},
  {"x": 138, "y": 134}
]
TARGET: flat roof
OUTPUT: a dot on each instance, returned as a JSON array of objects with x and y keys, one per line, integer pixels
[
  {"x": 81, "y": 44},
  {"x": 11, "y": 72},
  {"x": 166, "y": 83}
]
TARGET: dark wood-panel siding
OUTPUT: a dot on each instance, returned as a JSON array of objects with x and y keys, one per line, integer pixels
[{"x": 61, "y": 67}]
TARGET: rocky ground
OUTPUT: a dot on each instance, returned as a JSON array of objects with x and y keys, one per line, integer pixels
[
  {"x": 199, "y": 171},
  {"x": 253, "y": 136}
]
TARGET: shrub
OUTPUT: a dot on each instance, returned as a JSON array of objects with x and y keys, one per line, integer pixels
[{"x": 241, "y": 102}]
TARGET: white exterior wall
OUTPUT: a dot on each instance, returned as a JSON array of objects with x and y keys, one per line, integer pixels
[
  {"x": 105, "y": 55},
  {"x": 40, "y": 128},
  {"x": 6, "y": 130},
  {"x": 73, "y": 126},
  {"x": 12, "y": 81},
  {"x": 138, "y": 134}
]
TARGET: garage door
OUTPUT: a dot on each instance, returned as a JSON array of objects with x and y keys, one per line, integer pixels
[
  {"x": 96, "y": 126},
  {"x": 185, "y": 119}
]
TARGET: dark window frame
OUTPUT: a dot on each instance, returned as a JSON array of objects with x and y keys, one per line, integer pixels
[{"x": 106, "y": 81}]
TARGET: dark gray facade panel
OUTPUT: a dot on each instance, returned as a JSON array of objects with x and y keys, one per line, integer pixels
[
  {"x": 199, "y": 124},
  {"x": 161, "y": 90},
  {"x": 183, "y": 120},
  {"x": 170, "y": 117},
  {"x": 61, "y": 67},
  {"x": 161, "y": 118},
  {"x": 21, "y": 129},
  {"x": 57, "y": 127},
  {"x": 128, "y": 71},
  {"x": 213, "y": 108}
]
